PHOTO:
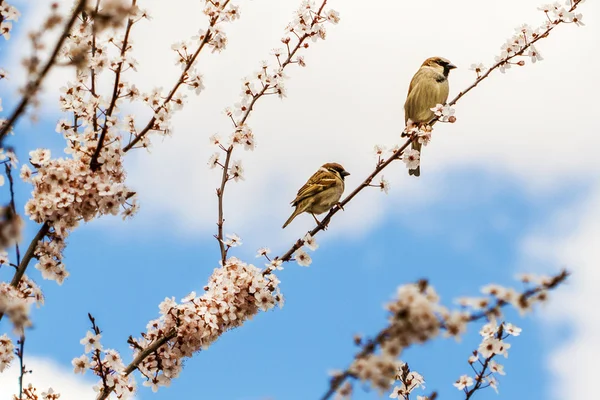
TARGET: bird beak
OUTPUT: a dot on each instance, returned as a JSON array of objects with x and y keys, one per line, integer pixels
[
  {"x": 450, "y": 66},
  {"x": 345, "y": 173}
]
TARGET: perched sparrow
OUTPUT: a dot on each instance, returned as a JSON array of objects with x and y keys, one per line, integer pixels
[
  {"x": 428, "y": 88},
  {"x": 322, "y": 191}
]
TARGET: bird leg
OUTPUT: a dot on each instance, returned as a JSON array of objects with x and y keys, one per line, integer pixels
[
  {"x": 321, "y": 225},
  {"x": 340, "y": 206}
]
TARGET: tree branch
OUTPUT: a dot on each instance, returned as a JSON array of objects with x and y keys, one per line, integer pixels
[
  {"x": 94, "y": 164},
  {"x": 179, "y": 82},
  {"x": 33, "y": 87},
  {"x": 29, "y": 254},
  {"x": 287, "y": 256},
  {"x": 152, "y": 347},
  {"x": 372, "y": 345},
  {"x": 224, "y": 178}
]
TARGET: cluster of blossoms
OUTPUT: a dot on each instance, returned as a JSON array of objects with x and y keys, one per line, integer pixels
[
  {"x": 90, "y": 182},
  {"x": 383, "y": 184},
  {"x": 30, "y": 393},
  {"x": 87, "y": 45},
  {"x": 8, "y": 13},
  {"x": 416, "y": 316},
  {"x": 15, "y": 302},
  {"x": 409, "y": 381},
  {"x": 163, "y": 106},
  {"x": 379, "y": 370},
  {"x": 11, "y": 227},
  {"x": 411, "y": 157},
  {"x": 422, "y": 133},
  {"x": 498, "y": 295},
  {"x": 11, "y": 223},
  {"x": 7, "y": 352},
  {"x": 67, "y": 191},
  {"x": 492, "y": 344},
  {"x": 235, "y": 293},
  {"x": 301, "y": 256},
  {"x": 112, "y": 13},
  {"x": 106, "y": 363},
  {"x": 522, "y": 42},
  {"x": 214, "y": 37},
  {"x": 383, "y": 372}
]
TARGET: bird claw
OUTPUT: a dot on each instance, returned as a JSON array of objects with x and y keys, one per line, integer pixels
[
  {"x": 340, "y": 206},
  {"x": 319, "y": 223}
]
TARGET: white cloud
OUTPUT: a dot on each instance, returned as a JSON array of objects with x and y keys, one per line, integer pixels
[
  {"x": 46, "y": 374},
  {"x": 570, "y": 240}
]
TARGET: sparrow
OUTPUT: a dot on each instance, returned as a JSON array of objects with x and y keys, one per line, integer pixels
[
  {"x": 428, "y": 88},
  {"x": 322, "y": 191}
]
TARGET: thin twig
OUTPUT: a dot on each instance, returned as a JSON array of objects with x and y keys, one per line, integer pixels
[
  {"x": 93, "y": 68},
  {"x": 33, "y": 87},
  {"x": 94, "y": 164},
  {"x": 480, "y": 377},
  {"x": 21, "y": 354},
  {"x": 11, "y": 182},
  {"x": 220, "y": 192},
  {"x": 179, "y": 82},
  {"x": 152, "y": 347},
  {"x": 29, "y": 254},
  {"x": 229, "y": 151},
  {"x": 484, "y": 366}
]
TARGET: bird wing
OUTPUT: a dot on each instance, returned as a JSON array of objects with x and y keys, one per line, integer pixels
[
  {"x": 320, "y": 181},
  {"x": 425, "y": 92}
]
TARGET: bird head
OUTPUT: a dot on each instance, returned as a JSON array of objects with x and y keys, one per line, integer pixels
[
  {"x": 440, "y": 64},
  {"x": 337, "y": 169}
]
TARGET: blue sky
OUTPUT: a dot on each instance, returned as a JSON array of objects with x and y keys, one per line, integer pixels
[{"x": 484, "y": 209}]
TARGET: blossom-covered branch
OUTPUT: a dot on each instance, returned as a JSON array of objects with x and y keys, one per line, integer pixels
[
  {"x": 91, "y": 183},
  {"x": 195, "y": 323},
  {"x": 308, "y": 24},
  {"x": 34, "y": 84},
  {"x": 416, "y": 316},
  {"x": 215, "y": 38},
  {"x": 235, "y": 293},
  {"x": 521, "y": 44},
  {"x": 94, "y": 164}
]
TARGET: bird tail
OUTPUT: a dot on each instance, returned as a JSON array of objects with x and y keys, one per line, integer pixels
[
  {"x": 417, "y": 171},
  {"x": 291, "y": 218}
]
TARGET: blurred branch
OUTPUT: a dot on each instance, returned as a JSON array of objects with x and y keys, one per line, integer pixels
[
  {"x": 34, "y": 85},
  {"x": 8, "y": 169},
  {"x": 29, "y": 254},
  {"x": 373, "y": 344}
]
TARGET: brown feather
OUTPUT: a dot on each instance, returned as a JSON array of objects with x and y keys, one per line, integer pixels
[{"x": 321, "y": 192}]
